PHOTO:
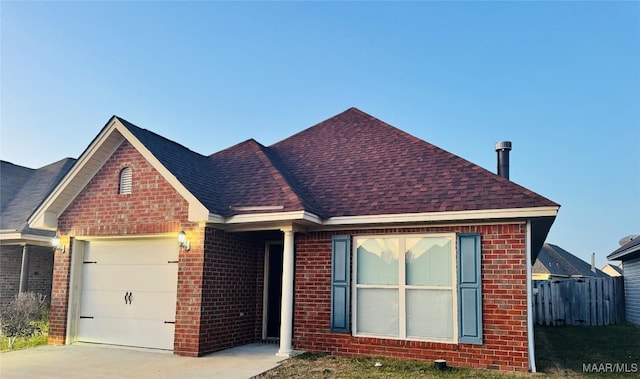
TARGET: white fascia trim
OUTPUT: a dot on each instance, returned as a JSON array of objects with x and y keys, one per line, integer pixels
[
  {"x": 25, "y": 238},
  {"x": 618, "y": 256},
  {"x": 42, "y": 217},
  {"x": 485, "y": 214},
  {"x": 277, "y": 216}
]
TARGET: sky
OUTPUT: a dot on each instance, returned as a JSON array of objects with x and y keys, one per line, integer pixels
[{"x": 560, "y": 80}]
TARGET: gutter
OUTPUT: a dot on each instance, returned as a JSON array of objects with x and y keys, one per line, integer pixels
[{"x": 530, "y": 339}]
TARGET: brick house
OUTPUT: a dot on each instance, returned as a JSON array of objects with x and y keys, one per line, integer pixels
[
  {"x": 26, "y": 258},
  {"x": 350, "y": 237}
]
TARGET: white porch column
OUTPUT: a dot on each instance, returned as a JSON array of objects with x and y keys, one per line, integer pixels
[
  {"x": 286, "y": 314},
  {"x": 24, "y": 269}
]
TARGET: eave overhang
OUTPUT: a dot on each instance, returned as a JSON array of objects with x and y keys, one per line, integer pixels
[
  {"x": 625, "y": 254},
  {"x": 310, "y": 221},
  {"x": 429, "y": 217},
  {"x": 20, "y": 238}
]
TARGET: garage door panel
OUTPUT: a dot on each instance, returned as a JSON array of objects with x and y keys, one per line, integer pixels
[
  {"x": 144, "y": 305},
  {"x": 138, "y": 252},
  {"x": 127, "y": 332},
  {"x": 145, "y": 271},
  {"x": 131, "y": 277}
]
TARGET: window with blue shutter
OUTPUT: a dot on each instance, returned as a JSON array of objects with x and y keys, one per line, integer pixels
[
  {"x": 340, "y": 268},
  {"x": 469, "y": 289}
]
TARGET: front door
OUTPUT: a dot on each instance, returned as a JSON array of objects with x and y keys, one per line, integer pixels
[{"x": 273, "y": 293}]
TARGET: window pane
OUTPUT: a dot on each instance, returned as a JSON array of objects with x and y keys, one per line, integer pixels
[
  {"x": 428, "y": 261},
  {"x": 430, "y": 314},
  {"x": 378, "y": 260},
  {"x": 378, "y": 312}
]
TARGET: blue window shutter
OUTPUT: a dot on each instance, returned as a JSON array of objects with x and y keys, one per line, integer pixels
[
  {"x": 340, "y": 269},
  {"x": 469, "y": 289}
]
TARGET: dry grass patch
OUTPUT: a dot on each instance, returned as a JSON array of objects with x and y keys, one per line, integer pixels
[{"x": 326, "y": 366}]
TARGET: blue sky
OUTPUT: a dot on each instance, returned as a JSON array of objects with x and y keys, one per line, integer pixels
[{"x": 561, "y": 80}]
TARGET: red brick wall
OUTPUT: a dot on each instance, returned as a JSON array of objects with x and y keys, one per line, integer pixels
[
  {"x": 232, "y": 290},
  {"x": 154, "y": 206},
  {"x": 503, "y": 293}
]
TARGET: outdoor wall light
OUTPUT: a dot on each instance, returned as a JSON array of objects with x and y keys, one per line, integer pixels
[
  {"x": 55, "y": 241},
  {"x": 182, "y": 241}
]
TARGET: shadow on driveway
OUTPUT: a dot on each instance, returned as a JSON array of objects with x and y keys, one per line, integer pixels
[{"x": 100, "y": 361}]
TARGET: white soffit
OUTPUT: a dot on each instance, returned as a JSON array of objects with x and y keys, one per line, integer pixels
[
  {"x": 403, "y": 218},
  {"x": 91, "y": 160},
  {"x": 485, "y": 214}
]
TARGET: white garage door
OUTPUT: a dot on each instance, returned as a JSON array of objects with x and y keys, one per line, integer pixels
[{"x": 129, "y": 293}]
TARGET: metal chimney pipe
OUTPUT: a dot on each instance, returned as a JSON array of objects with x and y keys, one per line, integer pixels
[{"x": 503, "y": 148}]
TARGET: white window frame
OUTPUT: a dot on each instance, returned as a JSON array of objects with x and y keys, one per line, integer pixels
[{"x": 402, "y": 287}]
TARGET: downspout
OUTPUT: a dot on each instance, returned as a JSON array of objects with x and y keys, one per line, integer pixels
[
  {"x": 530, "y": 339},
  {"x": 24, "y": 269}
]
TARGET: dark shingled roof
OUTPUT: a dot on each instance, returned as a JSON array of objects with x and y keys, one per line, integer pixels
[
  {"x": 253, "y": 177},
  {"x": 195, "y": 171},
  {"x": 24, "y": 189},
  {"x": 559, "y": 262},
  {"x": 354, "y": 164},
  {"x": 351, "y": 164},
  {"x": 629, "y": 250}
]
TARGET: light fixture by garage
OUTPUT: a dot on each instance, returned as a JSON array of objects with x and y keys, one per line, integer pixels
[
  {"x": 55, "y": 241},
  {"x": 182, "y": 241}
]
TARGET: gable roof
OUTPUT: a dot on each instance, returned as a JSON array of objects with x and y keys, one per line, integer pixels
[
  {"x": 22, "y": 191},
  {"x": 349, "y": 169},
  {"x": 188, "y": 172},
  {"x": 558, "y": 262},
  {"x": 609, "y": 267},
  {"x": 629, "y": 250}
]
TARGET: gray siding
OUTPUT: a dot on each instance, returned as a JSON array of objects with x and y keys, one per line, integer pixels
[{"x": 632, "y": 290}]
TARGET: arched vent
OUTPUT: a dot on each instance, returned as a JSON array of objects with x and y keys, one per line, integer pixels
[{"x": 125, "y": 181}]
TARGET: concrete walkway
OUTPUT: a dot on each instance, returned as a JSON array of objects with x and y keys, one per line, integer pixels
[{"x": 101, "y": 361}]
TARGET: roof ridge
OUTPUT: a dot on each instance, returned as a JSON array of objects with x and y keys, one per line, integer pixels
[
  {"x": 130, "y": 125},
  {"x": 277, "y": 175}
]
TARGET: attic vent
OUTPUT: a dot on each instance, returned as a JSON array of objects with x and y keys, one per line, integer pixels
[{"x": 125, "y": 181}]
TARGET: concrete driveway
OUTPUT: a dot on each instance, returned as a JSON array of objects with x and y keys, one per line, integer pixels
[{"x": 100, "y": 361}]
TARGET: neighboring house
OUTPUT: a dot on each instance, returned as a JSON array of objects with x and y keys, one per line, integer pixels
[
  {"x": 26, "y": 256},
  {"x": 611, "y": 270},
  {"x": 351, "y": 237},
  {"x": 556, "y": 263},
  {"x": 629, "y": 254}
]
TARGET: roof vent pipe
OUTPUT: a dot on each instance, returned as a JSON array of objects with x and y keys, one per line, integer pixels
[{"x": 503, "y": 149}]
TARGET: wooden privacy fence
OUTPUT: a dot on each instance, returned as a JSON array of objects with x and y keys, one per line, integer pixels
[{"x": 579, "y": 301}]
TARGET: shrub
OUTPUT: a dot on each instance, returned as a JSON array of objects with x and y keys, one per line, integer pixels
[{"x": 19, "y": 318}]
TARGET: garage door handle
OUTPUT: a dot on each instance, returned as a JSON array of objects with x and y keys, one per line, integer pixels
[{"x": 127, "y": 297}]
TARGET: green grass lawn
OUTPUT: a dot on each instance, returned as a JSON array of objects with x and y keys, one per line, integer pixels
[
  {"x": 566, "y": 349},
  {"x": 22, "y": 343}
]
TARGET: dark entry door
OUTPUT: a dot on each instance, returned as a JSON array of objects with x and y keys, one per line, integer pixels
[{"x": 274, "y": 290}]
